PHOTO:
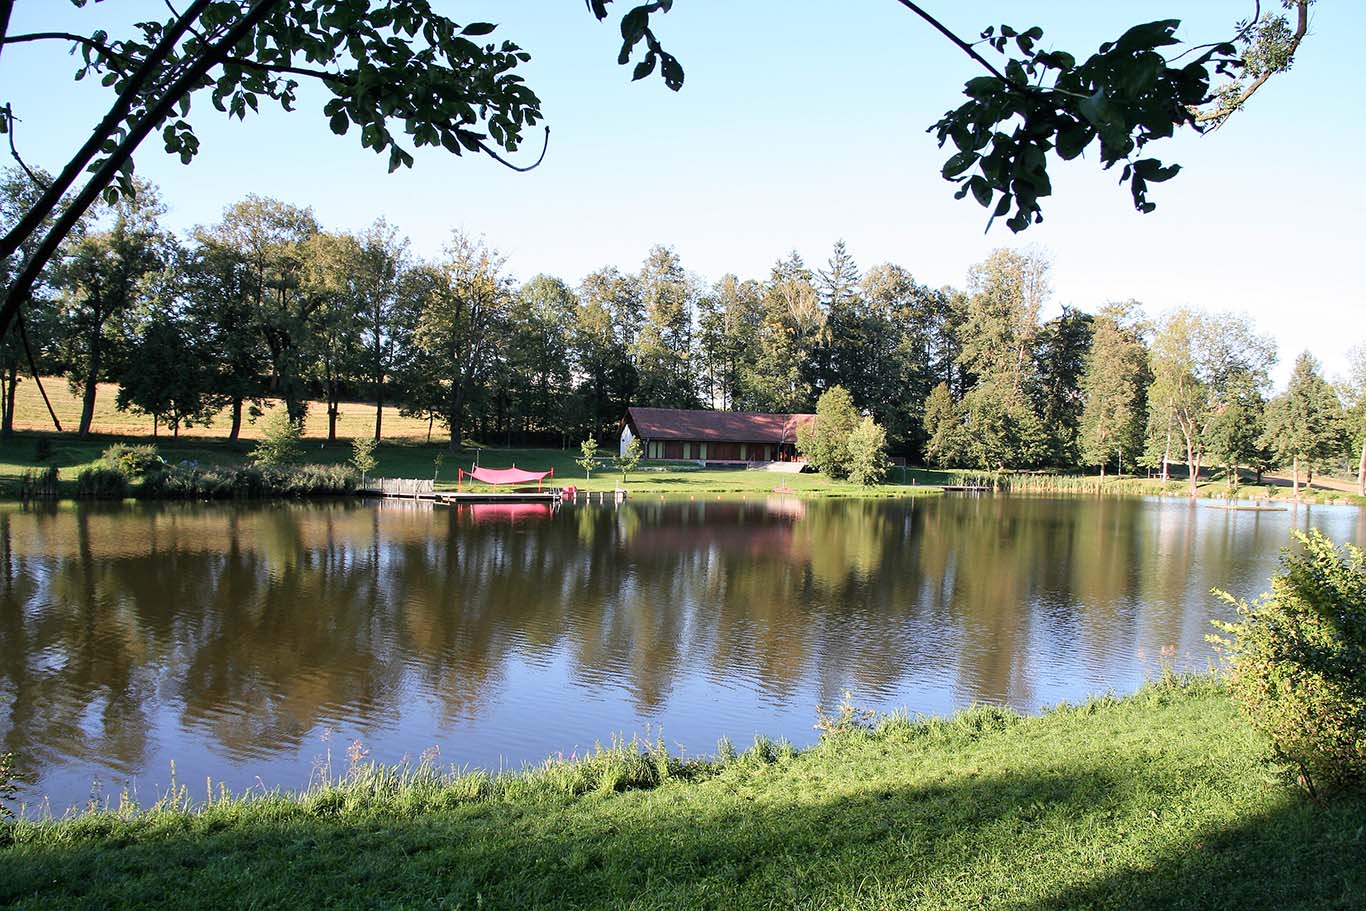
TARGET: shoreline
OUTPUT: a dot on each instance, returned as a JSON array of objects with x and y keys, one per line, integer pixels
[{"x": 1135, "y": 801}]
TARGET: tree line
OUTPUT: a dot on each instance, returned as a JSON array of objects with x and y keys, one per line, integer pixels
[{"x": 267, "y": 302}]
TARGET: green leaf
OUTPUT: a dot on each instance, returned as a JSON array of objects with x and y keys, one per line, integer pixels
[
  {"x": 981, "y": 190},
  {"x": 982, "y": 87},
  {"x": 478, "y": 28},
  {"x": 959, "y": 163},
  {"x": 672, "y": 71},
  {"x": 339, "y": 123}
]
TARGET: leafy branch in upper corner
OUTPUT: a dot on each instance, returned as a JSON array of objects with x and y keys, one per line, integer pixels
[
  {"x": 1125, "y": 95},
  {"x": 635, "y": 26}
]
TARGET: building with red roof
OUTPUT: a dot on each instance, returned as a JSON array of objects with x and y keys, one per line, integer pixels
[{"x": 713, "y": 436}]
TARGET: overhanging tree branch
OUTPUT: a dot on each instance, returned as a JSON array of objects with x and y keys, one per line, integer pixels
[
  {"x": 19, "y": 290},
  {"x": 105, "y": 50},
  {"x": 1226, "y": 107},
  {"x": 947, "y": 33},
  {"x": 118, "y": 113}
]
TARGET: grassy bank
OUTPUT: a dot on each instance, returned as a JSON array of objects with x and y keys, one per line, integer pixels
[
  {"x": 1160, "y": 800},
  {"x": 412, "y": 459},
  {"x": 1272, "y": 492}
]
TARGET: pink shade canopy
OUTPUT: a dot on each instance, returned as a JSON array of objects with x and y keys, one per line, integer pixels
[{"x": 507, "y": 475}]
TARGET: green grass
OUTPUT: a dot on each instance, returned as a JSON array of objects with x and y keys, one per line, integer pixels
[
  {"x": 1160, "y": 800},
  {"x": 410, "y": 459},
  {"x": 1214, "y": 488}
]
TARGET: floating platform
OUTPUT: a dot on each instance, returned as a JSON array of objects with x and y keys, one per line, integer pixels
[
  {"x": 967, "y": 488},
  {"x": 422, "y": 489},
  {"x": 475, "y": 496}
]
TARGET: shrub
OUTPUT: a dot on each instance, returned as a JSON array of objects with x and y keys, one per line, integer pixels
[
  {"x": 847, "y": 718},
  {"x": 363, "y": 455},
  {"x": 1298, "y": 661},
  {"x": 100, "y": 483},
  {"x": 42, "y": 449},
  {"x": 281, "y": 440},
  {"x": 589, "y": 458},
  {"x": 868, "y": 462},
  {"x": 248, "y": 482},
  {"x": 627, "y": 461},
  {"x": 314, "y": 480},
  {"x": 132, "y": 461},
  {"x": 38, "y": 485}
]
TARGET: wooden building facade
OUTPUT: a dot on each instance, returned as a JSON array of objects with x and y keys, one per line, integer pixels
[{"x": 713, "y": 436}]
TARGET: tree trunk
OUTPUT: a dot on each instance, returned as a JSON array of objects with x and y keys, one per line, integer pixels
[
  {"x": 1192, "y": 467},
  {"x": 1361, "y": 465},
  {"x": 456, "y": 416},
  {"x": 1297, "y": 477},
  {"x": 1102, "y": 471},
  {"x": 333, "y": 412},
  {"x": 154, "y": 425},
  {"x": 11, "y": 382},
  {"x": 379, "y": 411},
  {"x": 88, "y": 399},
  {"x": 236, "y": 430}
]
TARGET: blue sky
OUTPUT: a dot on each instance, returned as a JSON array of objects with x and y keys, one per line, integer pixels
[{"x": 802, "y": 123}]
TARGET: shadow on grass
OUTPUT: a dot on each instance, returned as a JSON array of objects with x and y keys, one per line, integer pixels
[{"x": 1090, "y": 838}]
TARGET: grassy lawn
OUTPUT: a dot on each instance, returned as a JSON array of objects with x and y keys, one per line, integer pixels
[{"x": 1161, "y": 800}]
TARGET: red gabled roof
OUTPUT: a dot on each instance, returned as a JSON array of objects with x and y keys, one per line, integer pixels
[{"x": 715, "y": 426}]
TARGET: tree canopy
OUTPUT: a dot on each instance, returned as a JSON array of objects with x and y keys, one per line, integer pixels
[{"x": 405, "y": 76}]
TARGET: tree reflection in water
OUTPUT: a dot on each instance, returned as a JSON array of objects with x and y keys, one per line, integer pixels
[{"x": 230, "y": 638}]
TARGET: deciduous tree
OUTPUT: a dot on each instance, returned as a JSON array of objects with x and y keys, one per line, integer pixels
[
  {"x": 103, "y": 276},
  {"x": 1114, "y": 387},
  {"x": 1196, "y": 359},
  {"x": 1304, "y": 424},
  {"x": 461, "y": 322},
  {"x": 824, "y": 441}
]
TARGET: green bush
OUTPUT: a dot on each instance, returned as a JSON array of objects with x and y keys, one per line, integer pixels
[
  {"x": 867, "y": 446},
  {"x": 248, "y": 482},
  {"x": 101, "y": 483},
  {"x": 281, "y": 440},
  {"x": 1298, "y": 661},
  {"x": 132, "y": 461},
  {"x": 824, "y": 442}
]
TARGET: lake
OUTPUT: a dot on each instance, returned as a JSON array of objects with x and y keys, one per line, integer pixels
[{"x": 255, "y": 645}]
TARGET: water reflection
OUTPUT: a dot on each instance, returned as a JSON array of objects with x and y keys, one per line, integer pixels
[{"x": 236, "y": 640}]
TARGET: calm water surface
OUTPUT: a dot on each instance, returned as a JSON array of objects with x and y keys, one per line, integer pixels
[{"x": 248, "y": 644}]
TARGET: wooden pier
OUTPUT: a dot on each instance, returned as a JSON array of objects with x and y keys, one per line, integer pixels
[{"x": 422, "y": 489}]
